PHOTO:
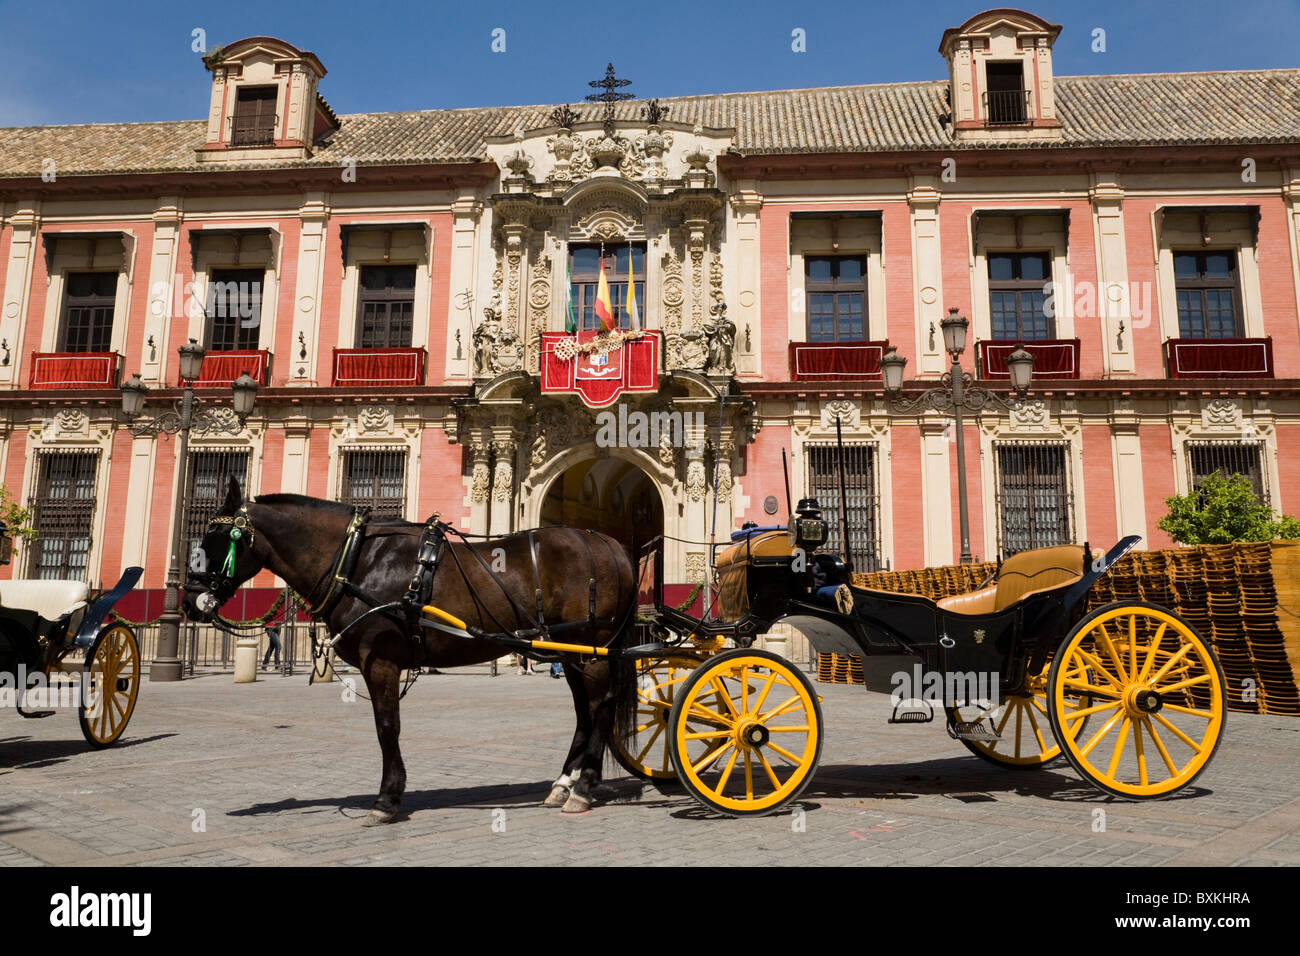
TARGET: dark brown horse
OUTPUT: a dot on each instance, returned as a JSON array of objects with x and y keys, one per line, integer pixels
[{"x": 300, "y": 539}]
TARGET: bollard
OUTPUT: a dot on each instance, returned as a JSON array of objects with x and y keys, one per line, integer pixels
[{"x": 246, "y": 660}]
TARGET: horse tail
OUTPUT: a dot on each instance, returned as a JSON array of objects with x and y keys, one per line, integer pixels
[{"x": 622, "y": 669}]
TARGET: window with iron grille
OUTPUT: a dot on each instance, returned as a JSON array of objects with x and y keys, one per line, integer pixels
[
  {"x": 1227, "y": 458},
  {"x": 234, "y": 309},
  {"x": 837, "y": 289},
  {"x": 375, "y": 479},
  {"x": 62, "y": 513},
  {"x": 254, "y": 122},
  {"x": 1209, "y": 296},
  {"x": 861, "y": 494},
  {"x": 584, "y": 282},
  {"x": 387, "y": 307},
  {"x": 1034, "y": 503},
  {"x": 1017, "y": 300},
  {"x": 209, "y": 479},
  {"x": 88, "y": 312}
]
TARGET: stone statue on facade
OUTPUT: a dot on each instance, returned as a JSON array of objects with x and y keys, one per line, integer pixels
[{"x": 721, "y": 333}]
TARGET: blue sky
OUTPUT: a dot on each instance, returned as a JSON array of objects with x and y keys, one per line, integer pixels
[{"x": 75, "y": 61}]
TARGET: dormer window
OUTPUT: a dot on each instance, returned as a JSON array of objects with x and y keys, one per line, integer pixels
[
  {"x": 1000, "y": 82},
  {"x": 254, "y": 121},
  {"x": 264, "y": 102},
  {"x": 1006, "y": 101}
]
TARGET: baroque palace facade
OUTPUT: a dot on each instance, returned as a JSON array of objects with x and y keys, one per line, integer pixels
[{"x": 396, "y": 282}]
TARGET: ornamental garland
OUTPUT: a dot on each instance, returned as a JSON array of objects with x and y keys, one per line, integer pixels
[
  {"x": 569, "y": 348},
  {"x": 259, "y": 620}
]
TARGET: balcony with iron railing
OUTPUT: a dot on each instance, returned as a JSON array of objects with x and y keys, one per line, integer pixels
[
  {"x": 258, "y": 135},
  {"x": 1006, "y": 107}
]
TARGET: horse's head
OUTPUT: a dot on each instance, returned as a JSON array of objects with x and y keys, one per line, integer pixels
[{"x": 223, "y": 560}]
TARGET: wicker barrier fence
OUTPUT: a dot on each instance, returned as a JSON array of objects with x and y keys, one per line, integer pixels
[{"x": 1244, "y": 598}]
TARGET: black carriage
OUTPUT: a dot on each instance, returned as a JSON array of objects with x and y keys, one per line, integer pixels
[
  {"x": 43, "y": 623},
  {"x": 1129, "y": 694}
]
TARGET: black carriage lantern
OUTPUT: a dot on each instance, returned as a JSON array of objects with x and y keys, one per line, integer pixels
[
  {"x": 956, "y": 392},
  {"x": 188, "y": 414}
]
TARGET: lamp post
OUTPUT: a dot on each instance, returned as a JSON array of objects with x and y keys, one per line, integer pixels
[
  {"x": 187, "y": 414},
  {"x": 957, "y": 391}
]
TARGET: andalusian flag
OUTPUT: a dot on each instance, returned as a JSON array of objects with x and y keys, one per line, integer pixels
[
  {"x": 570, "y": 321},
  {"x": 603, "y": 309},
  {"x": 632, "y": 313}
]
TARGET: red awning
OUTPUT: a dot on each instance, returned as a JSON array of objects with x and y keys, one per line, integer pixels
[
  {"x": 378, "y": 367},
  {"x": 1220, "y": 358},
  {"x": 222, "y": 368},
  {"x": 835, "y": 361},
  {"x": 73, "y": 370},
  {"x": 1053, "y": 358}
]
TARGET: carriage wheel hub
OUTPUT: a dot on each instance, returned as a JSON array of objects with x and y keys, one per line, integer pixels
[
  {"x": 1144, "y": 700},
  {"x": 752, "y": 734}
]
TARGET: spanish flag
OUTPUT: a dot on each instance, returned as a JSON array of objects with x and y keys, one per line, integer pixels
[
  {"x": 633, "y": 315},
  {"x": 604, "y": 311}
]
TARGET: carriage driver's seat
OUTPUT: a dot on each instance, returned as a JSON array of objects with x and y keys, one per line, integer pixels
[
  {"x": 1022, "y": 575},
  {"x": 51, "y": 600}
]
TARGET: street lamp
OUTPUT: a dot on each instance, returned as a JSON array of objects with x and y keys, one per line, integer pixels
[
  {"x": 188, "y": 414},
  {"x": 956, "y": 391}
]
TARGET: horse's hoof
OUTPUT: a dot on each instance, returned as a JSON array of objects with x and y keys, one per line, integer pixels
[
  {"x": 377, "y": 818},
  {"x": 559, "y": 795},
  {"x": 576, "y": 804}
]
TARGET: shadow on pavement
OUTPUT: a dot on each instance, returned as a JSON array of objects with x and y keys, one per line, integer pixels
[{"x": 25, "y": 753}]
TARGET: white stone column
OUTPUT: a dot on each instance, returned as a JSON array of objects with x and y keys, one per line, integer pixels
[
  {"x": 164, "y": 296},
  {"x": 927, "y": 272},
  {"x": 465, "y": 211},
  {"x": 135, "y": 527},
  {"x": 745, "y": 250},
  {"x": 1112, "y": 276},
  {"x": 315, "y": 214},
  {"x": 1126, "y": 451},
  {"x": 297, "y": 449},
  {"x": 503, "y": 486},
  {"x": 25, "y": 224},
  {"x": 1291, "y": 196},
  {"x": 936, "y": 493}
]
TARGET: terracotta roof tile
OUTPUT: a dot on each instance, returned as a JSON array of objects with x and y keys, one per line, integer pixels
[{"x": 1252, "y": 106}]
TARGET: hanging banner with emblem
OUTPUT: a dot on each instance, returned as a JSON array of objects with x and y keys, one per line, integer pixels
[{"x": 600, "y": 366}]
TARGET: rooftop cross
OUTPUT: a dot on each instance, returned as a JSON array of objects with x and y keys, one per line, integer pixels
[{"x": 609, "y": 97}]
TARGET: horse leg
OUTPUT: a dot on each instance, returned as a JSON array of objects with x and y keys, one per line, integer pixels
[
  {"x": 382, "y": 683},
  {"x": 600, "y": 723},
  {"x": 581, "y": 734}
]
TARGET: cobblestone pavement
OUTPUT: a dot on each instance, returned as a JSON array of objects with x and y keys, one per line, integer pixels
[{"x": 279, "y": 772}]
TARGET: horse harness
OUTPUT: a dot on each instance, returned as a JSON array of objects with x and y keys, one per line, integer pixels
[{"x": 337, "y": 581}]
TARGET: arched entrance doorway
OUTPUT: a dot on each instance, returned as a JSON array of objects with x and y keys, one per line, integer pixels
[{"x": 609, "y": 495}]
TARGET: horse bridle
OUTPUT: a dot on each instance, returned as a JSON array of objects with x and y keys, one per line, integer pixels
[{"x": 223, "y": 579}]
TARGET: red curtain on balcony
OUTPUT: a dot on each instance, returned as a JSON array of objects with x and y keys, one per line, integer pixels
[
  {"x": 73, "y": 370},
  {"x": 222, "y": 368},
  {"x": 378, "y": 367},
  {"x": 1053, "y": 358},
  {"x": 835, "y": 360},
  {"x": 1220, "y": 358}
]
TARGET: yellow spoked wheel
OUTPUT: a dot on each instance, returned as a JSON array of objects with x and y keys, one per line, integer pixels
[
  {"x": 643, "y": 750},
  {"x": 111, "y": 678},
  {"x": 745, "y": 732},
  {"x": 1022, "y": 722},
  {"x": 1157, "y": 691}
]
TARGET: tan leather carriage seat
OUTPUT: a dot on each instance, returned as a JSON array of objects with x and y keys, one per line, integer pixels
[
  {"x": 1023, "y": 574},
  {"x": 50, "y": 599}
]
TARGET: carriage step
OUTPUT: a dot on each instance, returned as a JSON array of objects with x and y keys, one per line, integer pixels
[
  {"x": 972, "y": 730},
  {"x": 911, "y": 712},
  {"x": 35, "y": 714}
]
